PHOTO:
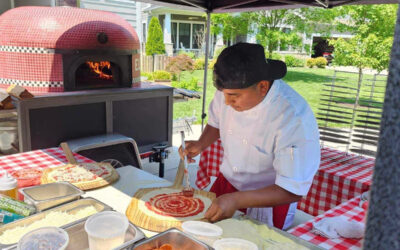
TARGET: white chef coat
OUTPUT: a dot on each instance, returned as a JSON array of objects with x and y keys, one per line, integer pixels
[{"x": 275, "y": 142}]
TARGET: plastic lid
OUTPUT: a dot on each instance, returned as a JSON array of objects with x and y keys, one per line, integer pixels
[
  {"x": 234, "y": 243},
  {"x": 27, "y": 173},
  {"x": 201, "y": 228},
  {"x": 44, "y": 238},
  {"x": 7, "y": 182},
  {"x": 105, "y": 225}
]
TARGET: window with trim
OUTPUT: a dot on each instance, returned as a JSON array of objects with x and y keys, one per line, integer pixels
[
  {"x": 197, "y": 35},
  {"x": 185, "y": 35}
]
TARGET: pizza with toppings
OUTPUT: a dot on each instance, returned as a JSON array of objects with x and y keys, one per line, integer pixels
[
  {"x": 84, "y": 176},
  {"x": 172, "y": 205}
]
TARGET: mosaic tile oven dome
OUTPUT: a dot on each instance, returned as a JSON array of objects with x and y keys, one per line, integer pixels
[{"x": 35, "y": 42}]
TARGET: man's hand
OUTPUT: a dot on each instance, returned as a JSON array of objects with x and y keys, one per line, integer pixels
[
  {"x": 192, "y": 148},
  {"x": 222, "y": 207}
]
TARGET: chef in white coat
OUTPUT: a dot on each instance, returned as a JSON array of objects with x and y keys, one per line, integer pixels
[{"x": 269, "y": 135}]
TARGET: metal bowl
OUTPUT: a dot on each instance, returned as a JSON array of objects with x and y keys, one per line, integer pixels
[
  {"x": 50, "y": 195},
  {"x": 174, "y": 237},
  {"x": 78, "y": 238}
]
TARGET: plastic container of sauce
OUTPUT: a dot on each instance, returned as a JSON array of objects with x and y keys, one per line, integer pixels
[{"x": 8, "y": 186}]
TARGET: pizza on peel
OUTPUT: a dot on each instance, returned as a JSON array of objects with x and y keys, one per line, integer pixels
[
  {"x": 169, "y": 204},
  {"x": 84, "y": 176}
]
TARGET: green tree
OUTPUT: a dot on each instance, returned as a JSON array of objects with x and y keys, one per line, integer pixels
[
  {"x": 155, "y": 39},
  {"x": 230, "y": 25},
  {"x": 267, "y": 25},
  {"x": 373, "y": 30},
  {"x": 270, "y": 23},
  {"x": 269, "y": 31}
]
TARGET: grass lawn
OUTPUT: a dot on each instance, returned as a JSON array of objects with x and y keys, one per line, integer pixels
[{"x": 307, "y": 82}]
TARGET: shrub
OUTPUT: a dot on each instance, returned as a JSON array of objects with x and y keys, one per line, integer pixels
[
  {"x": 199, "y": 63},
  {"x": 276, "y": 56},
  {"x": 218, "y": 51},
  {"x": 310, "y": 62},
  {"x": 180, "y": 63},
  {"x": 211, "y": 63},
  {"x": 155, "y": 39},
  {"x": 189, "y": 54},
  {"x": 292, "y": 61},
  {"x": 307, "y": 48},
  {"x": 300, "y": 62},
  {"x": 289, "y": 60},
  {"x": 192, "y": 84},
  {"x": 321, "y": 62},
  {"x": 148, "y": 75},
  {"x": 161, "y": 75}
]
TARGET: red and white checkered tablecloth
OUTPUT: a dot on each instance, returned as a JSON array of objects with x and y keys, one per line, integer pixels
[
  {"x": 210, "y": 159},
  {"x": 44, "y": 158},
  {"x": 349, "y": 209},
  {"x": 340, "y": 177}
]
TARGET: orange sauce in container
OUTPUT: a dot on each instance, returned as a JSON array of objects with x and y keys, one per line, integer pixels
[
  {"x": 26, "y": 178},
  {"x": 188, "y": 192},
  {"x": 164, "y": 247}
]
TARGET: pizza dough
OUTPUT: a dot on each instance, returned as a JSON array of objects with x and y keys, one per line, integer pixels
[
  {"x": 84, "y": 176},
  {"x": 171, "y": 204},
  {"x": 80, "y": 173},
  {"x": 247, "y": 230}
]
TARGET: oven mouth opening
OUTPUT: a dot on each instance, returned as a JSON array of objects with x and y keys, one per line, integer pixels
[{"x": 97, "y": 74}]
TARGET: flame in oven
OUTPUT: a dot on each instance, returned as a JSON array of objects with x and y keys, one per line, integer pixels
[{"x": 101, "y": 68}]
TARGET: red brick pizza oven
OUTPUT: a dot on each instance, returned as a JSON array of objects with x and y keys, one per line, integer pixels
[{"x": 56, "y": 49}]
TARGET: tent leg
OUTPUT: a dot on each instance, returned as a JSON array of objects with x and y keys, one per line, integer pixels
[
  {"x": 203, "y": 114},
  {"x": 383, "y": 222}
]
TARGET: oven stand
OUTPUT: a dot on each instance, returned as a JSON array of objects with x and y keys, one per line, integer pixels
[{"x": 159, "y": 155}]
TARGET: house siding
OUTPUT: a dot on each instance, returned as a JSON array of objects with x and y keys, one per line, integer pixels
[
  {"x": 19, "y": 3},
  {"x": 125, "y": 8},
  {"x": 4, "y": 6}
]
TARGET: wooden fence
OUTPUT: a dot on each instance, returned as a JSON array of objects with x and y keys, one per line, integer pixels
[{"x": 153, "y": 63}]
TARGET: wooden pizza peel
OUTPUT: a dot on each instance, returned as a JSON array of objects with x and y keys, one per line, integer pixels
[
  {"x": 141, "y": 219},
  {"x": 83, "y": 186}
]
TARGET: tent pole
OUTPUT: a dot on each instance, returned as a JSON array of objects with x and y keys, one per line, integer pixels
[{"x": 203, "y": 114}]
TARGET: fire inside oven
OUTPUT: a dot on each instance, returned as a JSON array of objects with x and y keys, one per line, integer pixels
[{"x": 97, "y": 74}]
